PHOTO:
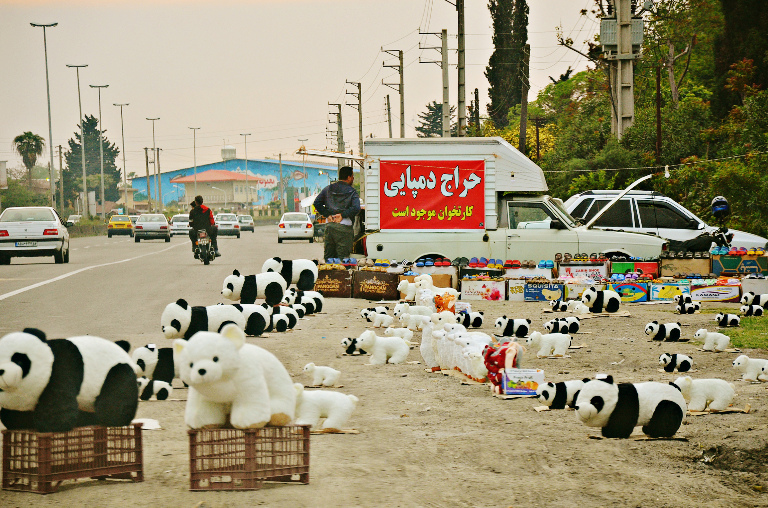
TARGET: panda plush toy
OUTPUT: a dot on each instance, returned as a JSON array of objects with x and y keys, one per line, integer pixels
[
  {"x": 751, "y": 310},
  {"x": 247, "y": 288},
  {"x": 559, "y": 395},
  {"x": 601, "y": 300},
  {"x": 513, "y": 327},
  {"x": 569, "y": 324},
  {"x": 293, "y": 296},
  {"x": 670, "y": 362},
  {"x": 669, "y": 332},
  {"x": 153, "y": 387},
  {"x": 256, "y": 318},
  {"x": 727, "y": 319},
  {"x": 470, "y": 319},
  {"x": 57, "y": 385},
  {"x": 618, "y": 408},
  {"x": 686, "y": 308},
  {"x": 302, "y": 272},
  {"x": 181, "y": 320},
  {"x": 351, "y": 346},
  {"x": 750, "y": 298},
  {"x": 559, "y": 305},
  {"x": 155, "y": 363},
  {"x": 277, "y": 322}
]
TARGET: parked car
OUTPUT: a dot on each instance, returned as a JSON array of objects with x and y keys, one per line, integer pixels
[
  {"x": 152, "y": 225},
  {"x": 33, "y": 231},
  {"x": 295, "y": 226},
  {"x": 73, "y": 219},
  {"x": 119, "y": 225},
  {"x": 246, "y": 223},
  {"x": 180, "y": 224},
  {"x": 649, "y": 212},
  {"x": 228, "y": 224}
]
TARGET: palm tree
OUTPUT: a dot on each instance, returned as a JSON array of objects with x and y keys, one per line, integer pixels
[{"x": 30, "y": 146}]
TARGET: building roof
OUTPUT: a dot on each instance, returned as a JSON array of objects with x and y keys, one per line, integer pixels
[{"x": 216, "y": 175}]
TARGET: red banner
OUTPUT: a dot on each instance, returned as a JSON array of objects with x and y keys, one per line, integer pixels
[{"x": 432, "y": 194}]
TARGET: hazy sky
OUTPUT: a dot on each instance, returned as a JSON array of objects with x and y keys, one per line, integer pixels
[{"x": 264, "y": 67}]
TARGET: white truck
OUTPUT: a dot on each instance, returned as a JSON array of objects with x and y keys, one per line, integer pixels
[{"x": 473, "y": 197}]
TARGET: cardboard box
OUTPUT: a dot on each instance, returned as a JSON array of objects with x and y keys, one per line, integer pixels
[
  {"x": 666, "y": 292},
  {"x": 434, "y": 271},
  {"x": 651, "y": 267},
  {"x": 542, "y": 292},
  {"x": 591, "y": 270},
  {"x": 732, "y": 265},
  {"x": 480, "y": 271},
  {"x": 521, "y": 381},
  {"x": 757, "y": 286},
  {"x": 547, "y": 273},
  {"x": 483, "y": 290},
  {"x": 439, "y": 280},
  {"x": 671, "y": 267},
  {"x": 574, "y": 291},
  {"x": 375, "y": 285},
  {"x": 516, "y": 290},
  {"x": 334, "y": 283},
  {"x": 631, "y": 291},
  {"x": 729, "y": 294},
  {"x": 622, "y": 266}
]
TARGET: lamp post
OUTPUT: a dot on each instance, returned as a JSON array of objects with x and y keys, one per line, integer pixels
[
  {"x": 304, "y": 163},
  {"x": 101, "y": 150},
  {"x": 50, "y": 130},
  {"x": 125, "y": 175},
  {"x": 247, "y": 187},
  {"x": 223, "y": 192},
  {"x": 86, "y": 212},
  {"x": 194, "y": 152},
  {"x": 158, "y": 182}
]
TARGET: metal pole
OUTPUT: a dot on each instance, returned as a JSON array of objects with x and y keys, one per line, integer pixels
[
  {"x": 194, "y": 152},
  {"x": 402, "y": 96},
  {"x": 156, "y": 172},
  {"x": 446, "y": 103},
  {"x": 462, "y": 105},
  {"x": 247, "y": 188},
  {"x": 282, "y": 191},
  {"x": 304, "y": 166},
  {"x": 50, "y": 129},
  {"x": 125, "y": 175},
  {"x": 149, "y": 193},
  {"x": 61, "y": 182},
  {"x": 86, "y": 210},
  {"x": 101, "y": 150}
]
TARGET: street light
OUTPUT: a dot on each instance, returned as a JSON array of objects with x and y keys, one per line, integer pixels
[
  {"x": 158, "y": 180},
  {"x": 194, "y": 152},
  {"x": 247, "y": 187},
  {"x": 50, "y": 130},
  {"x": 304, "y": 163},
  {"x": 176, "y": 190},
  {"x": 224, "y": 192},
  {"x": 86, "y": 212},
  {"x": 125, "y": 175},
  {"x": 101, "y": 150}
]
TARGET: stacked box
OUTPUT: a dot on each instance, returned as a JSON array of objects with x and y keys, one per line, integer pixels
[
  {"x": 483, "y": 290},
  {"x": 574, "y": 291},
  {"x": 452, "y": 272},
  {"x": 757, "y": 286},
  {"x": 673, "y": 266},
  {"x": 666, "y": 292},
  {"x": 516, "y": 290},
  {"x": 652, "y": 268},
  {"x": 541, "y": 292},
  {"x": 631, "y": 292},
  {"x": 622, "y": 266},
  {"x": 492, "y": 273},
  {"x": 732, "y": 265},
  {"x": 375, "y": 285},
  {"x": 591, "y": 270},
  {"x": 335, "y": 283},
  {"x": 725, "y": 294},
  {"x": 438, "y": 280},
  {"x": 520, "y": 381}
]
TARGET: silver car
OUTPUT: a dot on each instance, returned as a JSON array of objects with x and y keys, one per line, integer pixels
[
  {"x": 33, "y": 231},
  {"x": 227, "y": 224},
  {"x": 295, "y": 226},
  {"x": 152, "y": 225},
  {"x": 180, "y": 224}
]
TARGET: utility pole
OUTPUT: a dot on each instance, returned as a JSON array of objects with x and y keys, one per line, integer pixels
[
  {"x": 359, "y": 107},
  {"x": 658, "y": 114},
  {"x": 282, "y": 191},
  {"x": 86, "y": 211},
  {"x": 160, "y": 183},
  {"x": 125, "y": 175},
  {"x": 443, "y": 63},
  {"x": 400, "y": 87},
  {"x": 340, "y": 147},
  {"x": 462, "y": 91},
  {"x": 149, "y": 190},
  {"x": 524, "y": 98},
  {"x": 50, "y": 129},
  {"x": 101, "y": 151},
  {"x": 389, "y": 117},
  {"x": 61, "y": 182},
  {"x": 477, "y": 110}
]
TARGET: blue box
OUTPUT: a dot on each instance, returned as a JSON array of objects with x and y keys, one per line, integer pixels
[
  {"x": 631, "y": 291},
  {"x": 542, "y": 292},
  {"x": 666, "y": 292}
]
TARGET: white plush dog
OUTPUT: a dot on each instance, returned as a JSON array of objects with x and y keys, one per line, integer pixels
[
  {"x": 383, "y": 349},
  {"x": 382, "y": 320},
  {"x": 751, "y": 368},
  {"x": 231, "y": 380},
  {"x": 408, "y": 289},
  {"x": 699, "y": 393},
  {"x": 713, "y": 341},
  {"x": 551, "y": 344},
  {"x": 335, "y": 407},
  {"x": 404, "y": 308},
  {"x": 321, "y": 375}
]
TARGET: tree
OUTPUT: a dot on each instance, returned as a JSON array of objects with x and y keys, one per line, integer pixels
[
  {"x": 30, "y": 147},
  {"x": 432, "y": 121},
  {"x": 502, "y": 66}
]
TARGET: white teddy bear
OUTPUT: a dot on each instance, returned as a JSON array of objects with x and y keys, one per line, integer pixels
[
  {"x": 751, "y": 368},
  {"x": 425, "y": 282},
  {"x": 414, "y": 321},
  {"x": 404, "y": 308},
  {"x": 321, "y": 375},
  {"x": 713, "y": 341},
  {"x": 382, "y": 320},
  {"x": 383, "y": 349},
  {"x": 700, "y": 393},
  {"x": 404, "y": 333},
  {"x": 230, "y": 380},
  {"x": 551, "y": 344},
  {"x": 335, "y": 407},
  {"x": 408, "y": 289}
]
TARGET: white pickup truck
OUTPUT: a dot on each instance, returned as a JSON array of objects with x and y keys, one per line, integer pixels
[{"x": 473, "y": 197}]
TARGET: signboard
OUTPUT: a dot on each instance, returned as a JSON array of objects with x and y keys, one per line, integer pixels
[{"x": 432, "y": 195}]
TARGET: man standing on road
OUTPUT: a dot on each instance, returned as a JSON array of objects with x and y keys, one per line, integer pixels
[
  {"x": 201, "y": 217},
  {"x": 340, "y": 203}
]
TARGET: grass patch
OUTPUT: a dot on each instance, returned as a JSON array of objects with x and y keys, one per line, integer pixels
[{"x": 751, "y": 333}]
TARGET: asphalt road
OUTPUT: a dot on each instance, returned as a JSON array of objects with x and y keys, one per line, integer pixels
[{"x": 117, "y": 289}]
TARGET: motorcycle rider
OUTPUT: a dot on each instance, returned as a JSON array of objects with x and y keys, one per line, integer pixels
[{"x": 201, "y": 217}]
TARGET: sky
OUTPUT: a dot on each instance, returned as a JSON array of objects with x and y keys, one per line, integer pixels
[{"x": 267, "y": 68}]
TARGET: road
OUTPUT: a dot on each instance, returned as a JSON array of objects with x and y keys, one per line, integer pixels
[{"x": 117, "y": 289}]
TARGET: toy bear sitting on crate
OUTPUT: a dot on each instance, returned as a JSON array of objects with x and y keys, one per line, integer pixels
[{"x": 57, "y": 385}]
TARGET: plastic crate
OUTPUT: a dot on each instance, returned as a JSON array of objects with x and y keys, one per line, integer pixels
[
  {"x": 38, "y": 462},
  {"x": 237, "y": 459}
]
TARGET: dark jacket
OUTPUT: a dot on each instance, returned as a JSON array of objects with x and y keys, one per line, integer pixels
[
  {"x": 201, "y": 217},
  {"x": 339, "y": 197}
]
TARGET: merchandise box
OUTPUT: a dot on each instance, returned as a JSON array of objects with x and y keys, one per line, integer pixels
[
  {"x": 650, "y": 267},
  {"x": 438, "y": 280},
  {"x": 542, "y": 292},
  {"x": 673, "y": 266},
  {"x": 375, "y": 285},
  {"x": 335, "y": 283},
  {"x": 757, "y": 286},
  {"x": 724, "y": 294},
  {"x": 547, "y": 273},
  {"x": 591, "y": 270},
  {"x": 732, "y": 265},
  {"x": 516, "y": 290},
  {"x": 480, "y": 271},
  {"x": 521, "y": 381},
  {"x": 631, "y": 292},
  {"x": 574, "y": 291},
  {"x": 483, "y": 290},
  {"x": 666, "y": 292},
  {"x": 434, "y": 271},
  {"x": 622, "y": 266}
]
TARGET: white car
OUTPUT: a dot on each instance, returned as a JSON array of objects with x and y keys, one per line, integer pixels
[
  {"x": 295, "y": 226},
  {"x": 246, "y": 223},
  {"x": 151, "y": 225},
  {"x": 180, "y": 224},
  {"x": 73, "y": 219},
  {"x": 33, "y": 231},
  {"x": 227, "y": 224}
]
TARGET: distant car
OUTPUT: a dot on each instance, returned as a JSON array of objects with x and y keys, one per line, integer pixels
[
  {"x": 119, "y": 225},
  {"x": 295, "y": 226},
  {"x": 246, "y": 223},
  {"x": 180, "y": 224},
  {"x": 73, "y": 219},
  {"x": 228, "y": 224},
  {"x": 152, "y": 225},
  {"x": 33, "y": 231}
]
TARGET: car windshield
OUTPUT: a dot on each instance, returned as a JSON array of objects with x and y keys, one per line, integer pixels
[
  {"x": 295, "y": 217},
  {"x": 120, "y": 218},
  {"x": 226, "y": 216},
  {"x": 244, "y": 218},
  {"x": 27, "y": 215},
  {"x": 180, "y": 218},
  {"x": 152, "y": 218}
]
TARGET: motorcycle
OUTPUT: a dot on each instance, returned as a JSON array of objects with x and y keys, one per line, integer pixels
[{"x": 203, "y": 248}]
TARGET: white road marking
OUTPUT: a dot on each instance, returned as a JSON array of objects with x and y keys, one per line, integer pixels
[{"x": 60, "y": 277}]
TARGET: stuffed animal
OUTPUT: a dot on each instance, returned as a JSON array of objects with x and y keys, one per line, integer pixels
[
  {"x": 713, "y": 341},
  {"x": 702, "y": 394},
  {"x": 311, "y": 301},
  {"x": 750, "y": 298},
  {"x": 681, "y": 298},
  {"x": 551, "y": 344},
  {"x": 155, "y": 363},
  {"x": 277, "y": 322},
  {"x": 508, "y": 355},
  {"x": 415, "y": 321},
  {"x": 288, "y": 312},
  {"x": 257, "y": 317},
  {"x": 408, "y": 289},
  {"x": 351, "y": 346},
  {"x": 674, "y": 361},
  {"x": 470, "y": 319},
  {"x": 559, "y": 395},
  {"x": 180, "y": 320},
  {"x": 230, "y": 380},
  {"x": 751, "y": 368},
  {"x": 247, "y": 288},
  {"x": 509, "y": 327},
  {"x": 426, "y": 347},
  {"x": 57, "y": 385},
  {"x": 669, "y": 332},
  {"x": 685, "y": 308},
  {"x": 321, "y": 375},
  {"x": 574, "y": 324},
  {"x": 577, "y": 307},
  {"x": 302, "y": 272},
  {"x": 383, "y": 349},
  {"x": 727, "y": 319},
  {"x": 335, "y": 407},
  {"x": 403, "y": 333},
  {"x": 368, "y": 313},
  {"x": 425, "y": 282},
  {"x": 148, "y": 388},
  {"x": 382, "y": 320},
  {"x": 619, "y": 408},
  {"x": 413, "y": 310},
  {"x": 559, "y": 305},
  {"x": 562, "y": 325},
  {"x": 751, "y": 310},
  {"x": 300, "y": 309},
  {"x": 317, "y": 298},
  {"x": 601, "y": 300}
]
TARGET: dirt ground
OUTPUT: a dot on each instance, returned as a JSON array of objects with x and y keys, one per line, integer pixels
[{"x": 427, "y": 439}]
